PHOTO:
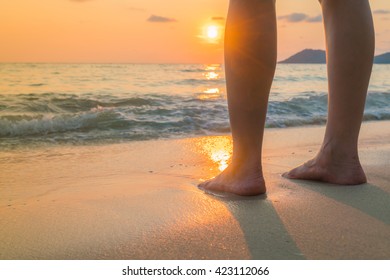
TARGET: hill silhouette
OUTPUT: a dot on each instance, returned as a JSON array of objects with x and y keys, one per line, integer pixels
[
  {"x": 309, "y": 56},
  {"x": 383, "y": 58}
]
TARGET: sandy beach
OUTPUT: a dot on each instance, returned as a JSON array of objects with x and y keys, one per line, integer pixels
[{"x": 139, "y": 200}]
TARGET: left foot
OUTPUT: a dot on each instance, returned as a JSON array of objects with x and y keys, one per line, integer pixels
[{"x": 244, "y": 180}]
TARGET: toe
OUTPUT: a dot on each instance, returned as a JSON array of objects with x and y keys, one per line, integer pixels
[
  {"x": 202, "y": 186},
  {"x": 292, "y": 174}
]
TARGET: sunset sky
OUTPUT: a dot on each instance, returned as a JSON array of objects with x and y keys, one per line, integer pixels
[{"x": 150, "y": 31}]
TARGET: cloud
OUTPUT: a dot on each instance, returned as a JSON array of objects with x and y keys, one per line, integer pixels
[
  {"x": 217, "y": 18},
  {"x": 314, "y": 19},
  {"x": 154, "y": 18},
  {"x": 381, "y": 12},
  {"x": 294, "y": 17},
  {"x": 300, "y": 17}
]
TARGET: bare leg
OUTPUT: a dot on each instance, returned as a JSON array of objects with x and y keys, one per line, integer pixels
[
  {"x": 350, "y": 49},
  {"x": 250, "y": 61}
]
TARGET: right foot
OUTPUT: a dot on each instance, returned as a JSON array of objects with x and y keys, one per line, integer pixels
[
  {"x": 245, "y": 181},
  {"x": 331, "y": 169}
]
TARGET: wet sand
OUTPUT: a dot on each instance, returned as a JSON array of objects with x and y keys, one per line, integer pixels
[{"x": 139, "y": 201}]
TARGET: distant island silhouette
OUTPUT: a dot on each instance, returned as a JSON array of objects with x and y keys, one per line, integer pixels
[
  {"x": 383, "y": 58},
  {"x": 309, "y": 56}
]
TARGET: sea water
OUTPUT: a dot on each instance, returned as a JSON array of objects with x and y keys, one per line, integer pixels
[{"x": 81, "y": 104}]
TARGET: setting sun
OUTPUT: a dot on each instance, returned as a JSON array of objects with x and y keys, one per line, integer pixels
[
  {"x": 212, "y": 32},
  {"x": 129, "y": 31}
]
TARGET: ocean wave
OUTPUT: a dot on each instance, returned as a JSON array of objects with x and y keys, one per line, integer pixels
[
  {"x": 201, "y": 68},
  {"x": 37, "y": 85},
  {"x": 196, "y": 70},
  {"x": 88, "y": 118},
  {"x": 43, "y": 125},
  {"x": 196, "y": 82},
  {"x": 62, "y": 103}
]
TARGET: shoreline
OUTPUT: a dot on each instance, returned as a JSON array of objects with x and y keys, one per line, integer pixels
[
  {"x": 45, "y": 146},
  {"x": 138, "y": 200}
]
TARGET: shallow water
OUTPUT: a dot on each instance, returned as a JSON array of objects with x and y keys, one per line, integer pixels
[{"x": 58, "y": 104}]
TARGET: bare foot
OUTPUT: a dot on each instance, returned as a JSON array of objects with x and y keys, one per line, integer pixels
[
  {"x": 331, "y": 169},
  {"x": 246, "y": 181}
]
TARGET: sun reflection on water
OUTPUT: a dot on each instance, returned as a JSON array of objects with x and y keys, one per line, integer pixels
[
  {"x": 212, "y": 90},
  {"x": 212, "y": 67},
  {"x": 210, "y": 93},
  {"x": 211, "y": 75}
]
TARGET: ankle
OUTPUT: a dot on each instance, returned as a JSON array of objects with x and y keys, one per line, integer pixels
[
  {"x": 250, "y": 162},
  {"x": 339, "y": 152}
]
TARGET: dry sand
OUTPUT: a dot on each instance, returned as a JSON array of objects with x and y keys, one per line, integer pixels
[{"x": 139, "y": 201}]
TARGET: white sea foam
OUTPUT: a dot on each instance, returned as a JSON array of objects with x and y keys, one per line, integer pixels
[{"x": 136, "y": 102}]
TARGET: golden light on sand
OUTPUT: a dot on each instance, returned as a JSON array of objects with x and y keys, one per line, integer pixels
[
  {"x": 221, "y": 157},
  {"x": 218, "y": 150}
]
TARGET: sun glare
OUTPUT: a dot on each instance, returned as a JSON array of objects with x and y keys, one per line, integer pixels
[{"x": 212, "y": 32}]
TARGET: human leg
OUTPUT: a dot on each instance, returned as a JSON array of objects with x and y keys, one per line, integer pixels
[
  {"x": 350, "y": 49},
  {"x": 250, "y": 60}
]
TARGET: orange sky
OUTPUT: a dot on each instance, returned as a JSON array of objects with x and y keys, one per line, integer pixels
[{"x": 119, "y": 30}]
